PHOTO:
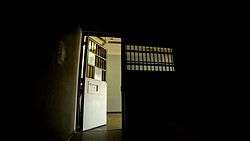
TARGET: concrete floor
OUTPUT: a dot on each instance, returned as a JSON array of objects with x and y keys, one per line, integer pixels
[
  {"x": 113, "y": 132},
  {"x": 114, "y": 121},
  {"x": 110, "y": 132},
  {"x": 99, "y": 135}
]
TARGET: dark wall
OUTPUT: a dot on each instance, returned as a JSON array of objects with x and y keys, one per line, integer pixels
[
  {"x": 181, "y": 105},
  {"x": 174, "y": 105},
  {"x": 55, "y": 83}
]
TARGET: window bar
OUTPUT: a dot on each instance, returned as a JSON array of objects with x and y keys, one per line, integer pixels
[
  {"x": 152, "y": 59},
  {"x": 133, "y": 48},
  {"x": 166, "y": 58},
  {"x": 131, "y": 58},
  {"x": 155, "y": 59},
  {"x": 131, "y": 54},
  {"x": 127, "y": 58},
  {"x": 169, "y": 61},
  {"x": 163, "y": 60},
  {"x": 160, "y": 57},
  {"x": 141, "y": 58},
  {"x": 137, "y": 61},
  {"x": 145, "y": 59},
  {"x": 149, "y": 58},
  {"x": 138, "y": 58},
  {"x": 135, "y": 58}
]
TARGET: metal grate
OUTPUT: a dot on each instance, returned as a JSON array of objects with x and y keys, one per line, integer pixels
[{"x": 147, "y": 58}]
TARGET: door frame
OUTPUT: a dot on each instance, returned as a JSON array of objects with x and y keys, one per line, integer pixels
[{"x": 80, "y": 98}]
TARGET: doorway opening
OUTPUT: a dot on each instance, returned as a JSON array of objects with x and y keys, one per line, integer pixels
[{"x": 101, "y": 97}]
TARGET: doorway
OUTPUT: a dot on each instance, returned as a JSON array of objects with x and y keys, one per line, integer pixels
[
  {"x": 100, "y": 98},
  {"x": 113, "y": 78}
]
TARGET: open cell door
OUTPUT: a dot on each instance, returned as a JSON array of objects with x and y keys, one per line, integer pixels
[{"x": 92, "y": 99}]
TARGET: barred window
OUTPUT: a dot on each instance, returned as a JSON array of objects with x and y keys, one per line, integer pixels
[{"x": 147, "y": 58}]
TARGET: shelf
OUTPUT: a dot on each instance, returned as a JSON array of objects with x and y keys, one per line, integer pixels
[
  {"x": 97, "y": 67},
  {"x": 101, "y": 57}
]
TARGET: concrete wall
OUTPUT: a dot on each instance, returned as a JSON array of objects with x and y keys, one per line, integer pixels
[
  {"x": 114, "y": 77},
  {"x": 53, "y": 103}
]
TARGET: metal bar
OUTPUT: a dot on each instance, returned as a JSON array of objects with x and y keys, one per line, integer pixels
[
  {"x": 144, "y": 55},
  {"x": 165, "y": 59},
  {"x": 154, "y": 58},
  {"x": 151, "y": 59},
  {"x": 139, "y": 62},
  {"x": 158, "y": 59},
  {"x": 131, "y": 57},
  {"x": 168, "y": 60},
  {"x": 138, "y": 57},
  {"x": 134, "y": 57},
  {"x": 130, "y": 67},
  {"x": 145, "y": 59},
  {"x": 142, "y": 58},
  {"x": 160, "y": 49}
]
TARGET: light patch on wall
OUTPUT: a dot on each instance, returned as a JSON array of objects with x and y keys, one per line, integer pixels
[{"x": 61, "y": 53}]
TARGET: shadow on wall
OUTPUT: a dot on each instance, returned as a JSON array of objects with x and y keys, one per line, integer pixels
[{"x": 53, "y": 103}]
